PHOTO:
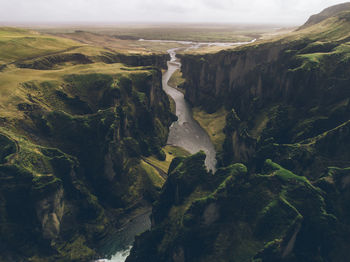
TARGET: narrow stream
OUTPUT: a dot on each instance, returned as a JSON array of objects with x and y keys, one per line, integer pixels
[{"x": 185, "y": 133}]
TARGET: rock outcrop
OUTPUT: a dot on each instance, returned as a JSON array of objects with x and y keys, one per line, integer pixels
[{"x": 236, "y": 215}]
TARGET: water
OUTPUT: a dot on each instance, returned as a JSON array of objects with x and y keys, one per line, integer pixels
[
  {"x": 186, "y": 132},
  {"x": 199, "y": 44},
  {"x": 117, "y": 248}
]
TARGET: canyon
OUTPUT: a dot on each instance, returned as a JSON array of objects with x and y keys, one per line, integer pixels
[{"x": 91, "y": 144}]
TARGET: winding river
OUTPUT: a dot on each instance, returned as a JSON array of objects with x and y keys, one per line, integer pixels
[{"x": 185, "y": 133}]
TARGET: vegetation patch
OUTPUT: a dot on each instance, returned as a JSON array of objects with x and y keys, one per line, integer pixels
[
  {"x": 213, "y": 124},
  {"x": 171, "y": 152},
  {"x": 176, "y": 80},
  {"x": 153, "y": 174}
]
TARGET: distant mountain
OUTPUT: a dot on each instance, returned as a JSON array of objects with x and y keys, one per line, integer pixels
[{"x": 327, "y": 13}]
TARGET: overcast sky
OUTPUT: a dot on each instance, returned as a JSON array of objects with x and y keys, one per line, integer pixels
[{"x": 110, "y": 11}]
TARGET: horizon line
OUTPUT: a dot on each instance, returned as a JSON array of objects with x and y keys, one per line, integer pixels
[{"x": 115, "y": 23}]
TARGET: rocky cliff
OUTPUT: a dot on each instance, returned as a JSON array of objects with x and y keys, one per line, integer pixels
[
  {"x": 158, "y": 60},
  {"x": 72, "y": 138},
  {"x": 50, "y": 61},
  {"x": 289, "y": 91},
  {"x": 237, "y": 215}
]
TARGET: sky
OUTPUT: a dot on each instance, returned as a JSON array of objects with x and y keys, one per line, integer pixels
[{"x": 289, "y": 12}]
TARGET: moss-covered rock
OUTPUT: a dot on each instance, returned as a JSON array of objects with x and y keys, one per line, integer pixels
[
  {"x": 71, "y": 168},
  {"x": 273, "y": 216}
]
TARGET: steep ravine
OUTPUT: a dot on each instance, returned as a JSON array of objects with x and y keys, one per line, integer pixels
[
  {"x": 275, "y": 90},
  {"x": 281, "y": 190},
  {"x": 185, "y": 133},
  {"x": 71, "y": 169}
]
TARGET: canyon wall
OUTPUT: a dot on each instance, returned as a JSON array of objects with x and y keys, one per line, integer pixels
[
  {"x": 71, "y": 168},
  {"x": 281, "y": 191},
  {"x": 281, "y": 92}
]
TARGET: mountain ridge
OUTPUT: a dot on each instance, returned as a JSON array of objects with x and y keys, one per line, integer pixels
[{"x": 326, "y": 13}]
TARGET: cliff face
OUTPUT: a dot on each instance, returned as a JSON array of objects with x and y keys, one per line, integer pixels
[
  {"x": 210, "y": 78},
  {"x": 50, "y": 61},
  {"x": 292, "y": 90},
  {"x": 253, "y": 77},
  {"x": 158, "y": 60},
  {"x": 70, "y": 167}
]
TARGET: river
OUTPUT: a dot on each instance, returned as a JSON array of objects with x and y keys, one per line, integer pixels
[
  {"x": 118, "y": 247},
  {"x": 185, "y": 133}
]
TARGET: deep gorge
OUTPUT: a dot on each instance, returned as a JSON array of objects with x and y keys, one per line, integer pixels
[
  {"x": 73, "y": 174},
  {"x": 280, "y": 190},
  {"x": 84, "y": 149}
]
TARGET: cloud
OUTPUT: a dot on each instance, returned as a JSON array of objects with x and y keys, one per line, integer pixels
[{"x": 229, "y": 11}]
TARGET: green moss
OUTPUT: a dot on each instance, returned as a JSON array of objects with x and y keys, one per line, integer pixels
[
  {"x": 132, "y": 146},
  {"x": 246, "y": 216},
  {"x": 161, "y": 131},
  {"x": 285, "y": 174},
  {"x": 231, "y": 172},
  {"x": 153, "y": 175},
  {"x": 213, "y": 124},
  {"x": 76, "y": 250},
  {"x": 46, "y": 183},
  {"x": 176, "y": 79},
  {"x": 161, "y": 155},
  {"x": 172, "y": 105},
  {"x": 7, "y": 147},
  {"x": 140, "y": 81},
  {"x": 141, "y": 97},
  {"x": 125, "y": 84},
  {"x": 171, "y": 152},
  {"x": 276, "y": 219},
  {"x": 89, "y": 87},
  {"x": 18, "y": 44},
  {"x": 80, "y": 128}
]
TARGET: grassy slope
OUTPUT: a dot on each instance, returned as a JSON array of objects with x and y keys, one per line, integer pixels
[
  {"x": 28, "y": 86},
  {"x": 176, "y": 79},
  {"x": 12, "y": 93},
  {"x": 44, "y": 83},
  {"x": 171, "y": 152},
  {"x": 21, "y": 44},
  {"x": 212, "y": 123}
]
